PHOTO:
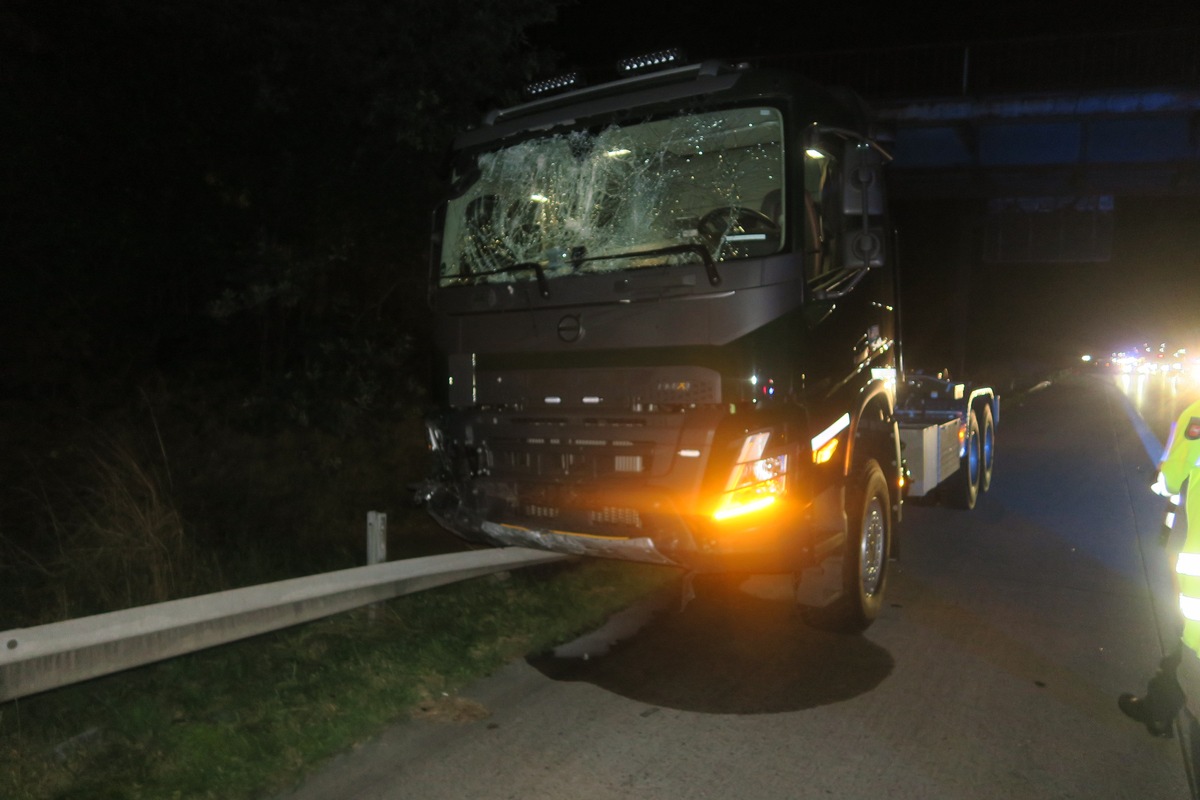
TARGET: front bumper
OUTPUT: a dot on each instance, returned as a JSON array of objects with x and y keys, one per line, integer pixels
[
  {"x": 782, "y": 542},
  {"x": 448, "y": 511},
  {"x": 634, "y": 549}
]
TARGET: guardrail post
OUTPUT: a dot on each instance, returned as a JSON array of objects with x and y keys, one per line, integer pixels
[
  {"x": 376, "y": 548},
  {"x": 376, "y": 537}
]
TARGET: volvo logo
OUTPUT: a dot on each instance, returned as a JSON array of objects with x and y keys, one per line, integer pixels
[{"x": 570, "y": 328}]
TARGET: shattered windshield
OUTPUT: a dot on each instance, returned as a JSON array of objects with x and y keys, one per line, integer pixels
[{"x": 589, "y": 201}]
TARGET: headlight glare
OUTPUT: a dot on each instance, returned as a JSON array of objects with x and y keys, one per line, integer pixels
[{"x": 755, "y": 482}]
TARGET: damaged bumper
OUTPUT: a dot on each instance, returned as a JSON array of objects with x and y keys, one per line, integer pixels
[
  {"x": 443, "y": 505},
  {"x": 666, "y": 539},
  {"x": 639, "y": 549}
]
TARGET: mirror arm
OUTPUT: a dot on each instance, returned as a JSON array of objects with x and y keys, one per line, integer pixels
[{"x": 816, "y": 131}]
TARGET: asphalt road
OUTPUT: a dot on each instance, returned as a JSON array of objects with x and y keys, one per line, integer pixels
[
  {"x": 993, "y": 673},
  {"x": 1158, "y": 399}
]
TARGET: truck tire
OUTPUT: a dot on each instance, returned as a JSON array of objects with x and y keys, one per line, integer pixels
[
  {"x": 865, "y": 563},
  {"x": 964, "y": 488},
  {"x": 987, "y": 447}
]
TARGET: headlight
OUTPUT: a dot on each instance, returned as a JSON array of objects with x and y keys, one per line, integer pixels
[{"x": 755, "y": 482}]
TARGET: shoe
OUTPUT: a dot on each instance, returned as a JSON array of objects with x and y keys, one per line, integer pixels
[{"x": 1136, "y": 708}]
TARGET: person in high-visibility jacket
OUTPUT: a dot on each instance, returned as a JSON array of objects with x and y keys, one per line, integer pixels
[{"x": 1179, "y": 472}]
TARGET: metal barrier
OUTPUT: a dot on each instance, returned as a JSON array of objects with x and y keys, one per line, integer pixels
[{"x": 49, "y": 656}]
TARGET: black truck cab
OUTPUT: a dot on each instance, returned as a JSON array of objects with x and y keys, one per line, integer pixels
[{"x": 667, "y": 322}]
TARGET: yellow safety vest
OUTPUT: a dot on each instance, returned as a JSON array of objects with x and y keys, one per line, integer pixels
[{"x": 1182, "y": 462}]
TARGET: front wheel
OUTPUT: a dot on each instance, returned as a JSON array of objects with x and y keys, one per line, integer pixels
[{"x": 865, "y": 561}]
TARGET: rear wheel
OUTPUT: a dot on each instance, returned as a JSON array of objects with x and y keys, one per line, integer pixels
[
  {"x": 987, "y": 447},
  {"x": 965, "y": 488}
]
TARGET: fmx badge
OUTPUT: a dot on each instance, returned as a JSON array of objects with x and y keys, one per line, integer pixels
[{"x": 1193, "y": 429}]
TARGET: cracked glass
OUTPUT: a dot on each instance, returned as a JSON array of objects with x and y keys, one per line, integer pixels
[{"x": 700, "y": 186}]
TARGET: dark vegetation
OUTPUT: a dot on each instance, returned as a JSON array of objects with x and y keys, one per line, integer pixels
[{"x": 214, "y": 220}]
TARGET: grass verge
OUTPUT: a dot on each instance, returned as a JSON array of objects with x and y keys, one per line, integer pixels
[{"x": 248, "y": 720}]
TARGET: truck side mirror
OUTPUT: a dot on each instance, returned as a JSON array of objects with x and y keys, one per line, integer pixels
[
  {"x": 862, "y": 180},
  {"x": 863, "y": 247},
  {"x": 863, "y": 203}
]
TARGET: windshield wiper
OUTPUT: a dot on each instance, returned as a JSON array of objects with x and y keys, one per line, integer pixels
[
  {"x": 710, "y": 266},
  {"x": 536, "y": 268}
]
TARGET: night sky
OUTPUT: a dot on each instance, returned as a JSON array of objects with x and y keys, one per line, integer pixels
[{"x": 594, "y": 33}]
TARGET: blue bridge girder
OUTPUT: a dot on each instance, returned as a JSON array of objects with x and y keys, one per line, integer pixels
[
  {"x": 1113, "y": 114},
  {"x": 1126, "y": 142}
]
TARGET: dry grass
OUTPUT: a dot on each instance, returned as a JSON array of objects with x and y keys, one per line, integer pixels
[
  {"x": 110, "y": 536},
  {"x": 99, "y": 516},
  {"x": 128, "y": 545}
]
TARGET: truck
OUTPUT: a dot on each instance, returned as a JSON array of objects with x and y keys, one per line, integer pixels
[{"x": 667, "y": 321}]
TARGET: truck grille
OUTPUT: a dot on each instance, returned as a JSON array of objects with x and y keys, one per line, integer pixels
[
  {"x": 586, "y": 519},
  {"x": 589, "y": 474},
  {"x": 548, "y": 457},
  {"x": 613, "y": 515}
]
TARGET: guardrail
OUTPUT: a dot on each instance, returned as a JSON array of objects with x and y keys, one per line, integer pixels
[{"x": 49, "y": 656}]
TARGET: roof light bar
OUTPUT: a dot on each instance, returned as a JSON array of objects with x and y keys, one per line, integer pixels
[
  {"x": 649, "y": 61},
  {"x": 559, "y": 83}
]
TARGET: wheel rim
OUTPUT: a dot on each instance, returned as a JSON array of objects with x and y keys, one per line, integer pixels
[
  {"x": 973, "y": 457},
  {"x": 987, "y": 448},
  {"x": 873, "y": 543}
]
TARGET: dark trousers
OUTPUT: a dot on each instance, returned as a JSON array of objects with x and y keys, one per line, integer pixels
[{"x": 1164, "y": 697}]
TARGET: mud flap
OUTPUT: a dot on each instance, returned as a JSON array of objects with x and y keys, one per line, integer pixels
[{"x": 820, "y": 586}]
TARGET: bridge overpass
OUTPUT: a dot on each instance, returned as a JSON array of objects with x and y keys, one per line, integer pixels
[
  {"x": 1045, "y": 188},
  {"x": 1117, "y": 113}
]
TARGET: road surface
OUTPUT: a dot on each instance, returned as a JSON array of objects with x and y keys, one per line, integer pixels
[{"x": 992, "y": 673}]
